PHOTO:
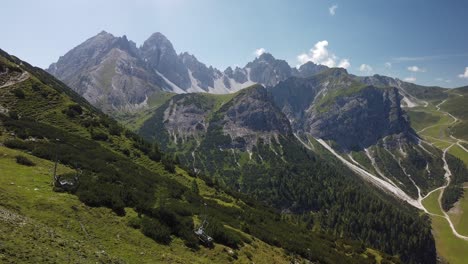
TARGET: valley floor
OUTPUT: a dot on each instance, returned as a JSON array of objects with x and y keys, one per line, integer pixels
[{"x": 450, "y": 229}]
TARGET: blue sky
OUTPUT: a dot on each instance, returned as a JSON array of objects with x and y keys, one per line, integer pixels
[{"x": 424, "y": 41}]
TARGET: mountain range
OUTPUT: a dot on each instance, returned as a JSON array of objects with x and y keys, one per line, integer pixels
[
  {"x": 350, "y": 156},
  {"x": 103, "y": 68}
]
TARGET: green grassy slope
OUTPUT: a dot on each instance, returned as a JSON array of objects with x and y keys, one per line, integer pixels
[
  {"x": 40, "y": 225},
  {"x": 449, "y": 247},
  {"x": 135, "y": 119},
  {"x": 456, "y": 105},
  {"x": 459, "y": 214}
]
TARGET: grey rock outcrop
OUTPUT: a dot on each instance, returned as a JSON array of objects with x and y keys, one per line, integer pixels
[
  {"x": 159, "y": 54},
  {"x": 360, "y": 120}
]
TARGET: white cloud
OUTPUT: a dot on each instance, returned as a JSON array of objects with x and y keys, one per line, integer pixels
[
  {"x": 428, "y": 58},
  {"x": 388, "y": 65},
  {"x": 344, "y": 63},
  {"x": 332, "y": 9},
  {"x": 367, "y": 69},
  {"x": 259, "y": 52},
  {"x": 465, "y": 74},
  {"x": 416, "y": 69},
  {"x": 319, "y": 54},
  {"x": 410, "y": 79}
]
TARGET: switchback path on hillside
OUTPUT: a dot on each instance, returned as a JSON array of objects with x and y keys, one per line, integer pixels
[{"x": 448, "y": 172}]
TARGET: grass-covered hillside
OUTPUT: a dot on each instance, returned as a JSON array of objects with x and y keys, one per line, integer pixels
[{"x": 128, "y": 202}]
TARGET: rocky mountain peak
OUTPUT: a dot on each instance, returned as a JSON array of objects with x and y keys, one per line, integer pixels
[
  {"x": 89, "y": 52},
  {"x": 228, "y": 71},
  {"x": 160, "y": 55},
  {"x": 336, "y": 72},
  {"x": 268, "y": 71},
  {"x": 309, "y": 68},
  {"x": 267, "y": 57},
  {"x": 157, "y": 40}
]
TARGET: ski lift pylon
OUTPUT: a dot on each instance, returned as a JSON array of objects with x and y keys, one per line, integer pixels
[{"x": 201, "y": 231}]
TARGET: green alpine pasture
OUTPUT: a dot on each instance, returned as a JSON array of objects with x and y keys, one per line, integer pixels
[{"x": 438, "y": 127}]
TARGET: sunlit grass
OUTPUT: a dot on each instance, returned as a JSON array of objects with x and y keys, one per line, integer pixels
[
  {"x": 448, "y": 246},
  {"x": 459, "y": 153},
  {"x": 459, "y": 215},
  {"x": 60, "y": 229}
]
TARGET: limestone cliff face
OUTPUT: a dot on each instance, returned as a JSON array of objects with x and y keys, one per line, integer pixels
[
  {"x": 252, "y": 116},
  {"x": 335, "y": 106},
  {"x": 249, "y": 117},
  {"x": 186, "y": 117},
  {"x": 360, "y": 120}
]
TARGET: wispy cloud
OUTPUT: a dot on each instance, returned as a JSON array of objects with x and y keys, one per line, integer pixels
[
  {"x": 365, "y": 68},
  {"x": 388, "y": 65},
  {"x": 465, "y": 74},
  {"x": 344, "y": 63},
  {"x": 428, "y": 58},
  {"x": 443, "y": 80},
  {"x": 332, "y": 9},
  {"x": 410, "y": 79},
  {"x": 415, "y": 69},
  {"x": 319, "y": 54},
  {"x": 259, "y": 52}
]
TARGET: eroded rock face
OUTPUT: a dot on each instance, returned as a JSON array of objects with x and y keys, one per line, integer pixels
[
  {"x": 160, "y": 55},
  {"x": 268, "y": 71},
  {"x": 204, "y": 76},
  {"x": 252, "y": 116},
  {"x": 358, "y": 121},
  {"x": 184, "y": 118},
  {"x": 334, "y": 106},
  {"x": 242, "y": 121},
  {"x": 309, "y": 69}
]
